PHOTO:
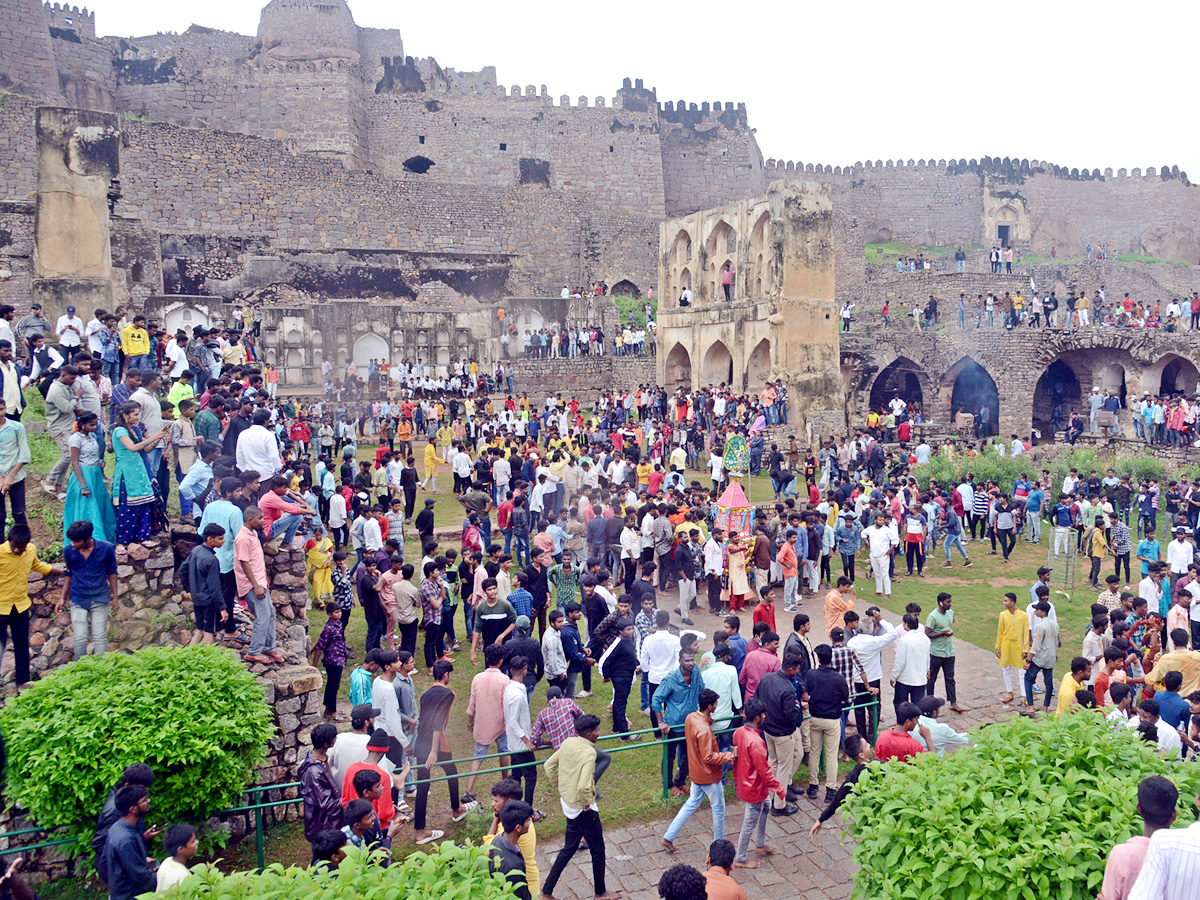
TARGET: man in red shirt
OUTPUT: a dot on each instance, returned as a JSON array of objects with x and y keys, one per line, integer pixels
[
  {"x": 765, "y": 610},
  {"x": 755, "y": 782},
  {"x": 385, "y": 807},
  {"x": 897, "y": 742}
]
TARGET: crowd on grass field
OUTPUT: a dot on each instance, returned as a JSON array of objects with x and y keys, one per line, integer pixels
[{"x": 581, "y": 521}]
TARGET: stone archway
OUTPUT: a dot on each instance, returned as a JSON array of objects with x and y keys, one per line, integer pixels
[
  {"x": 679, "y": 369},
  {"x": 901, "y": 378},
  {"x": 679, "y": 257},
  {"x": 625, "y": 288},
  {"x": 718, "y": 365},
  {"x": 1171, "y": 375},
  {"x": 368, "y": 347},
  {"x": 758, "y": 278},
  {"x": 972, "y": 389},
  {"x": 1058, "y": 387},
  {"x": 719, "y": 251},
  {"x": 758, "y": 367}
]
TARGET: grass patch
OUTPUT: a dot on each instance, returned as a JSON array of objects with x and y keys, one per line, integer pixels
[
  {"x": 1127, "y": 258},
  {"x": 637, "y": 306},
  {"x": 893, "y": 250},
  {"x": 1034, "y": 260}
]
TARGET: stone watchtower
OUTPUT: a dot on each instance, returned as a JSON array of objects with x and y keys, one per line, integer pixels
[
  {"x": 27, "y": 62},
  {"x": 308, "y": 30}
]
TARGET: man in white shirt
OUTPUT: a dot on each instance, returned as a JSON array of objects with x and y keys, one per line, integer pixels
[
  {"x": 714, "y": 568},
  {"x": 92, "y": 330},
  {"x": 881, "y": 542},
  {"x": 518, "y": 728},
  {"x": 1179, "y": 556},
  {"x": 177, "y": 360},
  {"x": 257, "y": 448},
  {"x": 685, "y": 297},
  {"x": 659, "y": 655},
  {"x": 868, "y": 647},
  {"x": 1150, "y": 588},
  {"x": 69, "y": 330},
  {"x": 461, "y": 464},
  {"x": 910, "y": 669},
  {"x": 1168, "y": 738},
  {"x": 1171, "y": 869}
]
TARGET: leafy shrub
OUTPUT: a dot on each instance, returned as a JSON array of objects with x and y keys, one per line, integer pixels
[
  {"x": 1032, "y": 811},
  {"x": 193, "y": 713},
  {"x": 452, "y": 872}
]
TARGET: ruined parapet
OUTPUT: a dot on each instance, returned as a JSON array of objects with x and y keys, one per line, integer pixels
[
  {"x": 70, "y": 20},
  {"x": 27, "y": 62},
  {"x": 308, "y": 29}
]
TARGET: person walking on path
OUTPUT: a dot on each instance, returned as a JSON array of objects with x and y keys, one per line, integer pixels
[
  {"x": 755, "y": 781},
  {"x": 574, "y": 768},
  {"x": 1042, "y": 655},
  {"x": 705, "y": 762}
]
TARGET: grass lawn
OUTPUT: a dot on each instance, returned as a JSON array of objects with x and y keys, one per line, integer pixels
[{"x": 889, "y": 252}]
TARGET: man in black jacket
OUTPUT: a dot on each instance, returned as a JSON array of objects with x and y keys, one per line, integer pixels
[
  {"x": 828, "y": 693},
  {"x": 424, "y": 522},
  {"x": 139, "y": 774},
  {"x": 778, "y": 695},
  {"x": 125, "y": 860},
  {"x": 618, "y": 667},
  {"x": 520, "y": 643},
  {"x": 537, "y": 583}
]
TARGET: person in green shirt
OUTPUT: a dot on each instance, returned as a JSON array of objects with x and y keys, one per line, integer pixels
[
  {"x": 565, "y": 578},
  {"x": 360, "y": 679},
  {"x": 182, "y": 388},
  {"x": 939, "y": 627}
]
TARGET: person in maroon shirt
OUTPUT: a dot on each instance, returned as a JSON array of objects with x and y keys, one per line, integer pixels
[{"x": 897, "y": 742}]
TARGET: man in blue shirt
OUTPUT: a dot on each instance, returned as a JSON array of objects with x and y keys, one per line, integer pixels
[
  {"x": 1061, "y": 517},
  {"x": 91, "y": 585},
  {"x": 1148, "y": 550},
  {"x": 1033, "y": 510},
  {"x": 737, "y": 643},
  {"x": 126, "y": 861},
  {"x": 677, "y": 697},
  {"x": 1172, "y": 708}
]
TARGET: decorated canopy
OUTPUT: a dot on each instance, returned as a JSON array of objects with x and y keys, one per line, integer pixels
[{"x": 734, "y": 512}]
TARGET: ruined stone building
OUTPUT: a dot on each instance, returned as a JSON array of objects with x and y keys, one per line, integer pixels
[{"x": 380, "y": 203}]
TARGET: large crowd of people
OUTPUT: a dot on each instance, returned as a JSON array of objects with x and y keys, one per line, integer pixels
[{"x": 576, "y": 525}]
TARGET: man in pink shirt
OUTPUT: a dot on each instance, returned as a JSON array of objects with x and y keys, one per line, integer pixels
[
  {"x": 485, "y": 713},
  {"x": 250, "y": 574},
  {"x": 282, "y": 517},
  {"x": 1157, "y": 798}
]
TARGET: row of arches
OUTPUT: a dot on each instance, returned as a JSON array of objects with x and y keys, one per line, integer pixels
[
  {"x": 969, "y": 386},
  {"x": 702, "y": 273},
  {"x": 717, "y": 367}
]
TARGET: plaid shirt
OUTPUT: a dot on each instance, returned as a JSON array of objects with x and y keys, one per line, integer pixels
[
  {"x": 343, "y": 595},
  {"x": 1121, "y": 542},
  {"x": 431, "y": 588},
  {"x": 642, "y": 624},
  {"x": 845, "y": 662},
  {"x": 557, "y": 720}
]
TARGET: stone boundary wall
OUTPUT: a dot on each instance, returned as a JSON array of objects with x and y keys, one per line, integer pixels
[
  {"x": 152, "y": 613},
  {"x": 583, "y": 378}
]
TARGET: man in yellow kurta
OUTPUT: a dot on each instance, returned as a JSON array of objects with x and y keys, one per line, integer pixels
[
  {"x": 431, "y": 461},
  {"x": 1012, "y": 640}
]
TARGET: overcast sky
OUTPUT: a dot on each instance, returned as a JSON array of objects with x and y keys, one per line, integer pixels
[{"x": 1096, "y": 85}]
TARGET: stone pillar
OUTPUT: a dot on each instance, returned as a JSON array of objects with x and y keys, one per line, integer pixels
[{"x": 78, "y": 153}]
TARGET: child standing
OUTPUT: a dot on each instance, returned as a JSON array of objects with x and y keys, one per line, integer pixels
[
  {"x": 181, "y": 843},
  {"x": 332, "y": 644}
]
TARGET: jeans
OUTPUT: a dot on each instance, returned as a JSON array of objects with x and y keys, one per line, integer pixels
[
  {"x": 375, "y": 629},
  {"x": 715, "y": 793},
  {"x": 585, "y": 825},
  {"x": 97, "y": 616},
  {"x": 1047, "y": 679},
  {"x": 621, "y": 688},
  {"x": 286, "y": 525},
  {"x": 1035, "y": 527},
  {"x": 111, "y": 370},
  {"x": 16, "y": 494},
  {"x": 333, "y": 681},
  {"x": 262, "y": 639},
  {"x": 520, "y": 551},
  {"x": 137, "y": 362},
  {"x": 945, "y": 665},
  {"x": 676, "y": 751},
  {"x": 952, "y": 541},
  {"x": 789, "y": 591},
  {"x": 754, "y": 821},
  {"x": 1007, "y": 540}
]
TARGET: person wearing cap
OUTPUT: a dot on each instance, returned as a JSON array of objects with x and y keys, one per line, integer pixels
[
  {"x": 69, "y": 330},
  {"x": 943, "y": 735},
  {"x": 31, "y": 326},
  {"x": 375, "y": 762},
  {"x": 351, "y": 746},
  {"x": 424, "y": 521},
  {"x": 1041, "y": 655}
]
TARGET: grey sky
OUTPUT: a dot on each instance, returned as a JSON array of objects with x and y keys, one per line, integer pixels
[{"x": 1096, "y": 85}]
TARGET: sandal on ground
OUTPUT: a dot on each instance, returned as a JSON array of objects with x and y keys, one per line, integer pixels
[{"x": 434, "y": 835}]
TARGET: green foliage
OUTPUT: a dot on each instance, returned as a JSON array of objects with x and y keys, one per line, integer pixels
[
  {"x": 893, "y": 250},
  {"x": 1030, "y": 812},
  {"x": 635, "y": 305},
  {"x": 451, "y": 872},
  {"x": 193, "y": 713},
  {"x": 1127, "y": 258}
]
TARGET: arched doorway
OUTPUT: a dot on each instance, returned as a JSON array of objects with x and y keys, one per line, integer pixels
[
  {"x": 719, "y": 251},
  {"x": 973, "y": 390},
  {"x": 369, "y": 347},
  {"x": 1058, "y": 387},
  {"x": 625, "y": 288},
  {"x": 1112, "y": 378},
  {"x": 679, "y": 258},
  {"x": 900, "y": 378},
  {"x": 718, "y": 365},
  {"x": 758, "y": 366},
  {"x": 758, "y": 278},
  {"x": 679, "y": 369},
  {"x": 1171, "y": 375}
]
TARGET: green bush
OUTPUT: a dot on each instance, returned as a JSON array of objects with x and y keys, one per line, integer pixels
[
  {"x": 1031, "y": 811},
  {"x": 193, "y": 713},
  {"x": 451, "y": 872}
]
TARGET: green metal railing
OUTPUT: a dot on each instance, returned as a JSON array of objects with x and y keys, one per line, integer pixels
[{"x": 258, "y": 805}]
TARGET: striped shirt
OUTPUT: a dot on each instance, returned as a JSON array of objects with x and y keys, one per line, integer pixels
[{"x": 846, "y": 663}]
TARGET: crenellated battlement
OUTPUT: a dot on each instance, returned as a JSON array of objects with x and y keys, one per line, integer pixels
[
  {"x": 71, "y": 18},
  {"x": 990, "y": 165}
]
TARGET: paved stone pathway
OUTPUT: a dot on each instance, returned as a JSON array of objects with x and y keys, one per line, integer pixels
[{"x": 817, "y": 869}]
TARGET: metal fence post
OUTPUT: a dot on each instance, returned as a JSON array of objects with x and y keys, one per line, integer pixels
[{"x": 259, "y": 843}]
